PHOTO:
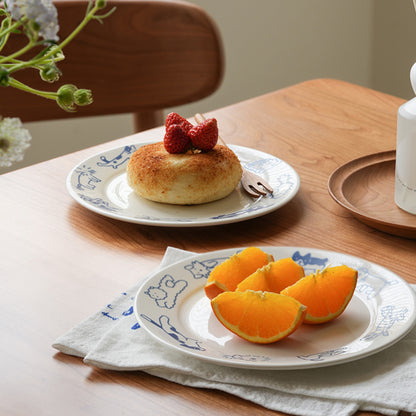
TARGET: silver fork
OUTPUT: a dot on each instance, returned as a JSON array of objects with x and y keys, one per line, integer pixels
[{"x": 252, "y": 183}]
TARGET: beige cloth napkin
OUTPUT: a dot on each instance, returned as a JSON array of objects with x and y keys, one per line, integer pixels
[{"x": 385, "y": 382}]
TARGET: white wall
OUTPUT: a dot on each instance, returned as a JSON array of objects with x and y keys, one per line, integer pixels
[
  {"x": 393, "y": 46},
  {"x": 270, "y": 44}
]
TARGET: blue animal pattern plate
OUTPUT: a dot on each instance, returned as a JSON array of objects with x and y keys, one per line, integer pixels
[
  {"x": 172, "y": 306},
  {"x": 100, "y": 185}
]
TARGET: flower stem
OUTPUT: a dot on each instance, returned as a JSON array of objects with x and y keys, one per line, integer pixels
[
  {"x": 87, "y": 18},
  {"x": 4, "y": 36},
  {"x": 26, "y": 48},
  {"x": 10, "y": 29},
  {"x": 19, "y": 85},
  {"x": 36, "y": 61}
]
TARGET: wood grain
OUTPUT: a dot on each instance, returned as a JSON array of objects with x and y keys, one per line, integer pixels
[
  {"x": 365, "y": 187},
  {"x": 61, "y": 262}
]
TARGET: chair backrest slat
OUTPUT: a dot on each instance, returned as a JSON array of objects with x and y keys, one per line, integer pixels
[{"x": 147, "y": 56}]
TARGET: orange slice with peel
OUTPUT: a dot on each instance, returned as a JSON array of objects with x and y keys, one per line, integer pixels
[
  {"x": 227, "y": 275},
  {"x": 325, "y": 293},
  {"x": 273, "y": 277},
  {"x": 260, "y": 317}
]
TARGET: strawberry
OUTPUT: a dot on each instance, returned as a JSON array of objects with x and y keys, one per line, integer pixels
[
  {"x": 176, "y": 140},
  {"x": 174, "y": 118},
  {"x": 204, "y": 136}
]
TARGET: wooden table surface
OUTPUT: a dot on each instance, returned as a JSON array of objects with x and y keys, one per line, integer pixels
[{"x": 60, "y": 262}]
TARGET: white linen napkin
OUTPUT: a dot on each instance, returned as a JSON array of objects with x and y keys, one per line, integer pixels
[{"x": 384, "y": 382}]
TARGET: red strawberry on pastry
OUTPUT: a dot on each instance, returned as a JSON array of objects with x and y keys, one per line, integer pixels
[
  {"x": 204, "y": 136},
  {"x": 176, "y": 140},
  {"x": 174, "y": 118}
]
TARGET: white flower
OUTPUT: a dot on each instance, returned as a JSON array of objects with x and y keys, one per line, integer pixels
[
  {"x": 14, "y": 7},
  {"x": 14, "y": 140},
  {"x": 43, "y": 12}
]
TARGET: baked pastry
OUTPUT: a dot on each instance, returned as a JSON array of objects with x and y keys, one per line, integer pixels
[{"x": 185, "y": 178}]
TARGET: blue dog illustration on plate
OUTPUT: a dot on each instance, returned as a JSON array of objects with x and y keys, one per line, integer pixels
[
  {"x": 370, "y": 285},
  {"x": 390, "y": 315},
  {"x": 321, "y": 356},
  {"x": 165, "y": 325},
  {"x": 167, "y": 291},
  {"x": 308, "y": 259},
  {"x": 86, "y": 178},
  {"x": 99, "y": 203},
  {"x": 118, "y": 160},
  {"x": 247, "y": 357}
]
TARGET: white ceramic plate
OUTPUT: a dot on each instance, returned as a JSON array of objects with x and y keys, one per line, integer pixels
[
  {"x": 173, "y": 308},
  {"x": 99, "y": 183}
]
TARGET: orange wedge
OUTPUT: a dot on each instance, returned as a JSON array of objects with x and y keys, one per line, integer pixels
[
  {"x": 227, "y": 275},
  {"x": 273, "y": 277},
  {"x": 260, "y": 317},
  {"x": 325, "y": 293}
]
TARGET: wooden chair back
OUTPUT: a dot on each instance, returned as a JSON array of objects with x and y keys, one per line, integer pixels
[{"x": 147, "y": 56}]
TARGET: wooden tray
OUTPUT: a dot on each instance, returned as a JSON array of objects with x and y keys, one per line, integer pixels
[{"x": 365, "y": 187}]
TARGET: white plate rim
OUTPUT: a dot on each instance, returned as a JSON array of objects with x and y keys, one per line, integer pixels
[
  {"x": 103, "y": 207},
  {"x": 331, "y": 360}
]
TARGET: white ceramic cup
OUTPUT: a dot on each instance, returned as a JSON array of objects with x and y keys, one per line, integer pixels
[{"x": 405, "y": 180}]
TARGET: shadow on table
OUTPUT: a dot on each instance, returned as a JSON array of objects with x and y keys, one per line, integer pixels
[{"x": 263, "y": 230}]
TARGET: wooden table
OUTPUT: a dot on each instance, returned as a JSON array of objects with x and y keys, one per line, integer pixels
[{"x": 61, "y": 262}]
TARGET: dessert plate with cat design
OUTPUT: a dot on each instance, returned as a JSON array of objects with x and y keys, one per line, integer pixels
[
  {"x": 99, "y": 183},
  {"x": 172, "y": 307}
]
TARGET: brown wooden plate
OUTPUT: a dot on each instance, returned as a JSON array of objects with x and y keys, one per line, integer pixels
[{"x": 365, "y": 187}]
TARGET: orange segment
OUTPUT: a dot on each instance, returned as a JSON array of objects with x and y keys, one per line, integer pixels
[
  {"x": 227, "y": 275},
  {"x": 273, "y": 277},
  {"x": 326, "y": 294},
  {"x": 260, "y": 317}
]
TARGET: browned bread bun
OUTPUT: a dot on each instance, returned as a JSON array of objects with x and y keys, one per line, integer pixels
[{"x": 185, "y": 178}]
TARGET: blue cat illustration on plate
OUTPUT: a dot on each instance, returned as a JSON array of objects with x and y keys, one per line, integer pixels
[
  {"x": 202, "y": 269},
  {"x": 165, "y": 325},
  {"x": 167, "y": 291},
  {"x": 118, "y": 160}
]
